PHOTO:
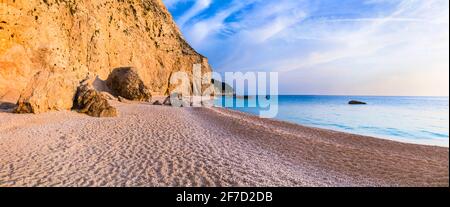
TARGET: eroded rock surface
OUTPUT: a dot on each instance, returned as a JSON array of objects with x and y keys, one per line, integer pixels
[
  {"x": 126, "y": 83},
  {"x": 84, "y": 36},
  {"x": 47, "y": 91},
  {"x": 92, "y": 102}
]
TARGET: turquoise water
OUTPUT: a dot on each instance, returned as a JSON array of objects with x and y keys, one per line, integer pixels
[{"x": 421, "y": 120}]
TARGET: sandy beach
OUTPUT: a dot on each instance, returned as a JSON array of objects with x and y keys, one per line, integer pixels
[{"x": 166, "y": 146}]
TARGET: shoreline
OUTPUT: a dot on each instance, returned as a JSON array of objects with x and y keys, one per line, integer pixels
[
  {"x": 386, "y": 138},
  {"x": 165, "y": 146}
]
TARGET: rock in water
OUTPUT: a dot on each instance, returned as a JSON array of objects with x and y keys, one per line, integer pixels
[
  {"x": 92, "y": 102},
  {"x": 353, "y": 102},
  {"x": 47, "y": 91},
  {"x": 126, "y": 83},
  {"x": 86, "y": 36}
]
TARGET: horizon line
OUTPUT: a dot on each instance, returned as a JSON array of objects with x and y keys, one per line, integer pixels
[{"x": 440, "y": 96}]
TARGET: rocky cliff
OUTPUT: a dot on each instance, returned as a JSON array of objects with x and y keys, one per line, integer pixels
[{"x": 73, "y": 38}]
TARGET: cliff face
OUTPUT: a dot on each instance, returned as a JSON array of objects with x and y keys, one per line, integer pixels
[{"x": 77, "y": 37}]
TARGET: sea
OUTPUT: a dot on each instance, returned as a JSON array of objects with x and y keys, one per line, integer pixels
[{"x": 418, "y": 120}]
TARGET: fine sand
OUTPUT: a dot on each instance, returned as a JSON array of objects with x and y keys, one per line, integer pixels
[{"x": 165, "y": 146}]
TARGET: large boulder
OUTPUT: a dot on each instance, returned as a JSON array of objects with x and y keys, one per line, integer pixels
[
  {"x": 47, "y": 91},
  {"x": 92, "y": 102},
  {"x": 126, "y": 83}
]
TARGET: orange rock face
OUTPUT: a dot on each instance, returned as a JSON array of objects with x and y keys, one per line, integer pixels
[
  {"x": 76, "y": 37},
  {"x": 47, "y": 91}
]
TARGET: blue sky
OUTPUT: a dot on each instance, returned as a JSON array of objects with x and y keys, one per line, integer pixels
[{"x": 341, "y": 47}]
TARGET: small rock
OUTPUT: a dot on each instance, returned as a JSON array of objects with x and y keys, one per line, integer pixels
[
  {"x": 123, "y": 100},
  {"x": 167, "y": 101}
]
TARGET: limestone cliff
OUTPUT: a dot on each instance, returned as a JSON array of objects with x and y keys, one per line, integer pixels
[{"x": 77, "y": 37}]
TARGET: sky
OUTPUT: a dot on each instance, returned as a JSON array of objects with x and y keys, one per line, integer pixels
[{"x": 325, "y": 47}]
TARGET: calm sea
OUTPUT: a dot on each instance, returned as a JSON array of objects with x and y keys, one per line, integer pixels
[{"x": 421, "y": 120}]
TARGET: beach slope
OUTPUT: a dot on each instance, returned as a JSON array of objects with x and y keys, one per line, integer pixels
[{"x": 165, "y": 146}]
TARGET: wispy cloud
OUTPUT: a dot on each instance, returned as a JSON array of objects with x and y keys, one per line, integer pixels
[
  {"x": 171, "y": 3},
  {"x": 327, "y": 46},
  {"x": 196, "y": 9}
]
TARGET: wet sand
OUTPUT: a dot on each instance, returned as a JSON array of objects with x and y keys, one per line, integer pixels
[{"x": 165, "y": 146}]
